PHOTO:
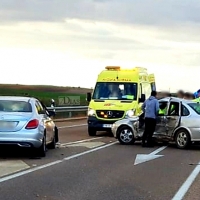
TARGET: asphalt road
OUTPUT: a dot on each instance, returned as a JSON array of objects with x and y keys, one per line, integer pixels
[{"x": 87, "y": 168}]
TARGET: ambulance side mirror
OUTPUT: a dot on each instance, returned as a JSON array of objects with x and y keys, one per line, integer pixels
[
  {"x": 88, "y": 97},
  {"x": 142, "y": 99}
]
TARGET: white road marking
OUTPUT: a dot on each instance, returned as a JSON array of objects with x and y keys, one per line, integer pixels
[
  {"x": 89, "y": 145},
  {"x": 187, "y": 184},
  {"x": 12, "y": 166},
  {"x": 141, "y": 158},
  {"x": 80, "y": 141},
  {"x": 72, "y": 126},
  {"x": 6, "y": 178},
  {"x": 158, "y": 150}
]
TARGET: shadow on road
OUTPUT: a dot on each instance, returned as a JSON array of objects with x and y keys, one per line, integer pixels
[
  {"x": 104, "y": 134},
  {"x": 7, "y": 152}
]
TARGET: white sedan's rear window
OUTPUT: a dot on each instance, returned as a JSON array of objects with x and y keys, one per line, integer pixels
[
  {"x": 15, "y": 106},
  {"x": 195, "y": 107}
]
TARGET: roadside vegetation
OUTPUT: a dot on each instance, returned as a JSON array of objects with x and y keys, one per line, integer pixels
[{"x": 44, "y": 93}]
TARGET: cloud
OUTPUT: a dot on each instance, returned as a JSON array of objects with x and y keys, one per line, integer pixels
[
  {"x": 160, "y": 35},
  {"x": 103, "y": 40},
  {"x": 146, "y": 12}
]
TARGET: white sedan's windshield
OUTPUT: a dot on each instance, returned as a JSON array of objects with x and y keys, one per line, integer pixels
[{"x": 120, "y": 91}]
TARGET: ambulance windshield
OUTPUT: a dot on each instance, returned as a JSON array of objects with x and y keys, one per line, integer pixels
[{"x": 115, "y": 90}]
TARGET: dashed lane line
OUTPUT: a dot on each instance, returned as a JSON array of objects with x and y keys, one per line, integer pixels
[
  {"x": 72, "y": 126},
  {"x": 89, "y": 145},
  {"x": 79, "y": 141}
]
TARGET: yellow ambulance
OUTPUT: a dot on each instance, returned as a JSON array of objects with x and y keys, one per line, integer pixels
[{"x": 119, "y": 93}]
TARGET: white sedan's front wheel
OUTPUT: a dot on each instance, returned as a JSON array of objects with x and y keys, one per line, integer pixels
[{"x": 125, "y": 135}]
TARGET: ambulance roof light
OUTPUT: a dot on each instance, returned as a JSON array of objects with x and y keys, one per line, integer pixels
[
  {"x": 112, "y": 68},
  {"x": 141, "y": 69}
]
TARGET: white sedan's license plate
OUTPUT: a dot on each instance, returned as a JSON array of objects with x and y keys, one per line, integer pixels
[
  {"x": 7, "y": 124},
  {"x": 107, "y": 125}
]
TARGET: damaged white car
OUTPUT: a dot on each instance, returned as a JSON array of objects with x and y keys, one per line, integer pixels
[{"x": 179, "y": 123}]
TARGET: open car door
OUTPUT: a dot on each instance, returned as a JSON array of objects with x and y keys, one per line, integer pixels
[
  {"x": 170, "y": 120},
  {"x": 173, "y": 117},
  {"x": 161, "y": 118}
]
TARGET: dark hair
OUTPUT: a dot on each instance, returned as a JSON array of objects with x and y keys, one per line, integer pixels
[
  {"x": 187, "y": 94},
  {"x": 168, "y": 94},
  {"x": 153, "y": 93},
  {"x": 192, "y": 96},
  {"x": 181, "y": 92}
]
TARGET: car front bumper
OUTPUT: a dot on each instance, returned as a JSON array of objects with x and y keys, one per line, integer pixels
[{"x": 114, "y": 129}]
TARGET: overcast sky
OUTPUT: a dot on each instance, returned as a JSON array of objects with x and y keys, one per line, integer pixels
[{"x": 71, "y": 41}]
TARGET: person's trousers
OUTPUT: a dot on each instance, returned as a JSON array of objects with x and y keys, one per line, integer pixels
[{"x": 150, "y": 125}]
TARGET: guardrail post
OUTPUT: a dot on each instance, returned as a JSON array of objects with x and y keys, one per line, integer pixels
[{"x": 70, "y": 114}]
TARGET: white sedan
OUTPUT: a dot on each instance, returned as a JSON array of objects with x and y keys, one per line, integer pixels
[{"x": 26, "y": 123}]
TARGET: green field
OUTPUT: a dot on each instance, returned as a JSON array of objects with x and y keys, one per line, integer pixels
[{"x": 44, "y": 93}]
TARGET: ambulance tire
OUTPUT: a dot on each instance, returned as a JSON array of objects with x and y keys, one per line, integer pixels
[{"x": 92, "y": 132}]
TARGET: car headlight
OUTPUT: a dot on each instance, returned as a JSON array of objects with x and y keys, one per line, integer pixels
[
  {"x": 130, "y": 113},
  {"x": 91, "y": 112}
]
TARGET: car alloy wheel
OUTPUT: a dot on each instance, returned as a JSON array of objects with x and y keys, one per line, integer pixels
[
  {"x": 182, "y": 139},
  {"x": 125, "y": 135}
]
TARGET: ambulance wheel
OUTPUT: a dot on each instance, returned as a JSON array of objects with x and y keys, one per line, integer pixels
[
  {"x": 92, "y": 132},
  {"x": 125, "y": 135}
]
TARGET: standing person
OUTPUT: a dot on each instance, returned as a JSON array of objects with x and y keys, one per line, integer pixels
[
  {"x": 167, "y": 94},
  {"x": 197, "y": 96},
  {"x": 197, "y": 99},
  {"x": 187, "y": 96},
  {"x": 150, "y": 108},
  {"x": 53, "y": 104},
  {"x": 180, "y": 94},
  {"x": 53, "y": 107}
]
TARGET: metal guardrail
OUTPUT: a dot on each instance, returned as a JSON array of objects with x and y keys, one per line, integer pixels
[
  {"x": 69, "y": 108},
  {"x": 68, "y": 111}
]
